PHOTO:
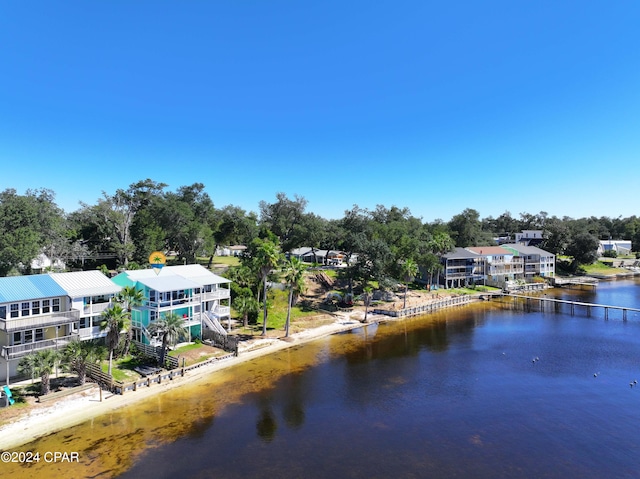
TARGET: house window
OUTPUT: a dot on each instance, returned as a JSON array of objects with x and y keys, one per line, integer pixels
[
  {"x": 35, "y": 307},
  {"x": 14, "y": 310},
  {"x": 153, "y": 315},
  {"x": 17, "y": 338},
  {"x": 28, "y": 336},
  {"x": 3, "y": 312},
  {"x": 56, "y": 305},
  {"x": 26, "y": 310},
  {"x": 85, "y": 322},
  {"x": 153, "y": 294},
  {"x": 39, "y": 334},
  {"x": 45, "y": 305}
]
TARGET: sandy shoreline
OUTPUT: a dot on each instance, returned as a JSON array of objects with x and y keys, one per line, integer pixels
[{"x": 46, "y": 419}]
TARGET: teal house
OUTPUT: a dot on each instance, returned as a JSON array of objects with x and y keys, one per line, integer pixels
[{"x": 192, "y": 292}]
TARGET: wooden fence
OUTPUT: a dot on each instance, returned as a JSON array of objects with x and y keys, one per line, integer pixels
[
  {"x": 222, "y": 341},
  {"x": 122, "y": 387},
  {"x": 427, "y": 307}
]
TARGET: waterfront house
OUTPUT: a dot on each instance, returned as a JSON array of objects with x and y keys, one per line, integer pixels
[
  {"x": 537, "y": 262},
  {"x": 461, "y": 267},
  {"x": 194, "y": 293},
  {"x": 46, "y": 311},
  {"x": 501, "y": 265}
]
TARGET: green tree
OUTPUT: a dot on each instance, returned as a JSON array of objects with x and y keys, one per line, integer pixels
[
  {"x": 77, "y": 355},
  {"x": 187, "y": 217},
  {"x": 366, "y": 296},
  {"x": 40, "y": 363},
  {"x": 28, "y": 225},
  {"x": 467, "y": 230},
  {"x": 246, "y": 304},
  {"x": 170, "y": 328},
  {"x": 283, "y": 217},
  {"x": 583, "y": 248},
  {"x": 409, "y": 271},
  {"x": 294, "y": 278},
  {"x": 129, "y": 297},
  {"x": 114, "y": 320},
  {"x": 267, "y": 257}
]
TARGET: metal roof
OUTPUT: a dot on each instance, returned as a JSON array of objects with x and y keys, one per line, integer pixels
[
  {"x": 22, "y": 288},
  {"x": 85, "y": 283},
  {"x": 168, "y": 283},
  {"x": 173, "y": 278},
  {"x": 531, "y": 250},
  {"x": 460, "y": 253},
  {"x": 490, "y": 250}
]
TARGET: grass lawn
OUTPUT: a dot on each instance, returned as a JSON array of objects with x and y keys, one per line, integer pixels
[
  {"x": 225, "y": 260},
  {"x": 123, "y": 368},
  {"x": 278, "y": 302},
  {"x": 601, "y": 268},
  {"x": 195, "y": 353}
]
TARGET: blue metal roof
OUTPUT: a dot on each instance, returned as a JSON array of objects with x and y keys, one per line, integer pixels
[{"x": 22, "y": 288}]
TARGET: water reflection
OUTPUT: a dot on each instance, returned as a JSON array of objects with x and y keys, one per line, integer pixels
[{"x": 454, "y": 393}]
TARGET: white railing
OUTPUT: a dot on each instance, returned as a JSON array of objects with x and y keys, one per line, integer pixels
[
  {"x": 173, "y": 303},
  {"x": 12, "y": 352},
  {"x": 222, "y": 311},
  {"x": 217, "y": 294},
  {"x": 91, "y": 333},
  {"x": 212, "y": 323},
  {"x": 42, "y": 321},
  {"x": 96, "y": 308}
]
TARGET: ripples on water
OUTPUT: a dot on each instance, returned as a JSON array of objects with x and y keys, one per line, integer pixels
[{"x": 459, "y": 393}]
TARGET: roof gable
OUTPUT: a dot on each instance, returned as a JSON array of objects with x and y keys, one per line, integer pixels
[
  {"x": 20, "y": 288},
  {"x": 85, "y": 283}
]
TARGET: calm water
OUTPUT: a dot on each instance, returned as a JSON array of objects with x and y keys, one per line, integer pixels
[{"x": 457, "y": 394}]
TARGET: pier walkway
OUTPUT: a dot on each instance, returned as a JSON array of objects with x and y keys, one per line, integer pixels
[{"x": 541, "y": 300}]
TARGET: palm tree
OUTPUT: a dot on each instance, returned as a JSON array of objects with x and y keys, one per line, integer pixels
[
  {"x": 294, "y": 278},
  {"x": 40, "y": 363},
  {"x": 245, "y": 304},
  {"x": 366, "y": 296},
  {"x": 267, "y": 257},
  {"x": 114, "y": 320},
  {"x": 409, "y": 272},
  {"x": 77, "y": 355},
  {"x": 170, "y": 327},
  {"x": 129, "y": 297}
]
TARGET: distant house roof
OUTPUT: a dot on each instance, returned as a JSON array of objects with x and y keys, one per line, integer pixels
[
  {"x": 489, "y": 250},
  {"x": 22, "y": 288},
  {"x": 528, "y": 250},
  {"x": 85, "y": 283},
  {"x": 460, "y": 253}
]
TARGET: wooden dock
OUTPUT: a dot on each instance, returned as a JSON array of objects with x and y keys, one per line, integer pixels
[
  {"x": 578, "y": 282},
  {"x": 541, "y": 300}
]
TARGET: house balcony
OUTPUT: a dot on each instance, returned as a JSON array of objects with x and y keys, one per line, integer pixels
[
  {"x": 91, "y": 333},
  {"x": 221, "y": 311},
  {"x": 222, "y": 293},
  {"x": 174, "y": 303},
  {"x": 41, "y": 321},
  {"x": 20, "y": 350},
  {"x": 96, "y": 308}
]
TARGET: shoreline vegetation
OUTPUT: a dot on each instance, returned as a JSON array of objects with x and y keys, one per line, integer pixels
[{"x": 22, "y": 426}]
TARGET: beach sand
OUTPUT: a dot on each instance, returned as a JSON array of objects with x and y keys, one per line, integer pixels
[{"x": 43, "y": 419}]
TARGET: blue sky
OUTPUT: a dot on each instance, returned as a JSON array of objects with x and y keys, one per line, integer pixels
[{"x": 436, "y": 106}]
